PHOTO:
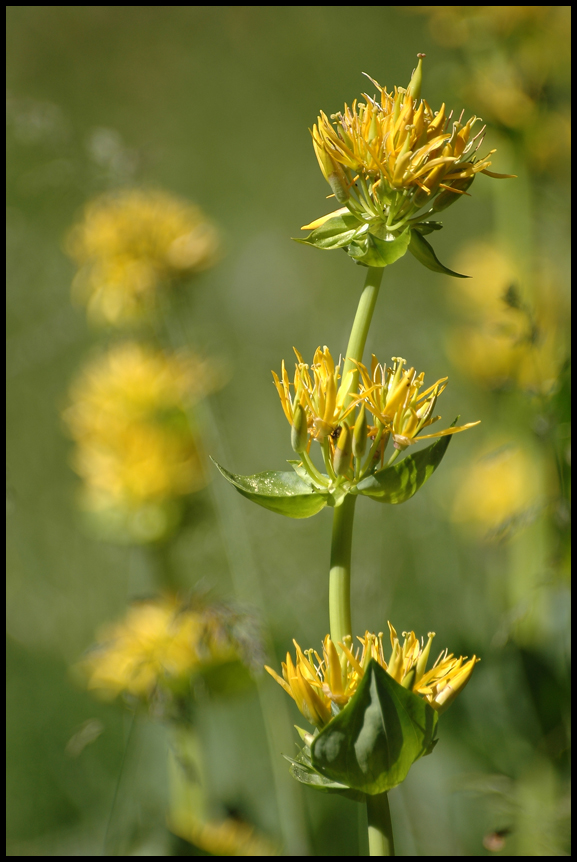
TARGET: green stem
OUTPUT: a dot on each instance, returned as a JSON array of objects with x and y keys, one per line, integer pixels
[
  {"x": 340, "y": 574},
  {"x": 342, "y": 538},
  {"x": 381, "y": 842},
  {"x": 362, "y": 322}
]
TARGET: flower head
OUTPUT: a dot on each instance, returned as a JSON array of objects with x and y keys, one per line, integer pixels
[
  {"x": 321, "y": 405},
  {"x": 158, "y": 646},
  {"x": 130, "y": 243},
  {"x": 393, "y": 395},
  {"x": 322, "y": 686},
  {"x": 318, "y": 390},
  {"x": 392, "y": 160}
]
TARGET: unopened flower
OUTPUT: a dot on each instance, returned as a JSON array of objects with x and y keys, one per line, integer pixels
[
  {"x": 159, "y": 646},
  {"x": 131, "y": 243},
  {"x": 323, "y": 685},
  {"x": 392, "y": 161}
]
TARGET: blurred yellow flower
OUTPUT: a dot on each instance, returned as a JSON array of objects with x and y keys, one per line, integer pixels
[
  {"x": 504, "y": 339},
  {"x": 394, "y": 160},
  {"x": 160, "y": 644},
  {"x": 131, "y": 243},
  {"x": 321, "y": 687},
  {"x": 498, "y": 490},
  {"x": 229, "y": 837},
  {"x": 135, "y": 448}
]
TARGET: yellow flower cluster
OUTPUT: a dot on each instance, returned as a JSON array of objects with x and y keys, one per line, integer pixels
[
  {"x": 159, "y": 644},
  {"x": 135, "y": 449},
  {"x": 321, "y": 687},
  {"x": 392, "y": 394},
  {"x": 130, "y": 244},
  {"x": 505, "y": 341},
  {"x": 388, "y": 159}
]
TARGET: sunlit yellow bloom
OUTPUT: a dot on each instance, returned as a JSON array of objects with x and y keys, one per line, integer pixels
[
  {"x": 159, "y": 644},
  {"x": 330, "y": 406},
  {"x": 131, "y": 243},
  {"x": 393, "y": 395},
  {"x": 317, "y": 388},
  {"x": 321, "y": 687},
  {"x": 221, "y": 838},
  {"x": 395, "y": 160},
  {"x": 128, "y": 416}
]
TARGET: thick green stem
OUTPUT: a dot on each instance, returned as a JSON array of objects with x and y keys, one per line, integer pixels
[
  {"x": 381, "y": 841},
  {"x": 362, "y": 322},
  {"x": 340, "y": 574},
  {"x": 341, "y": 545}
]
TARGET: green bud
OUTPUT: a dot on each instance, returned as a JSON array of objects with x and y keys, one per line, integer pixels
[
  {"x": 343, "y": 451},
  {"x": 446, "y": 198},
  {"x": 339, "y": 187},
  {"x": 299, "y": 430},
  {"x": 360, "y": 434},
  {"x": 416, "y": 81},
  {"x": 409, "y": 679}
]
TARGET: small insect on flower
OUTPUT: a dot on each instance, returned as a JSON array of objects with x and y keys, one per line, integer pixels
[{"x": 323, "y": 685}]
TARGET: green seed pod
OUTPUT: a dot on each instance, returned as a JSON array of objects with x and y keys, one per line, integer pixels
[
  {"x": 343, "y": 451},
  {"x": 299, "y": 430},
  {"x": 360, "y": 434}
]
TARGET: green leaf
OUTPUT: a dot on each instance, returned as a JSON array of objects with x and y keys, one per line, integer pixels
[
  {"x": 285, "y": 493},
  {"x": 373, "y": 250},
  {"x": 302, "y": 769},
  {"x": 398, "y": 483},
  {"x": 423, "y": 251},
  {"x": 371, "y": 745},
  {"x": 425, "y": 227},
  {"x": 336, "y": 232}
]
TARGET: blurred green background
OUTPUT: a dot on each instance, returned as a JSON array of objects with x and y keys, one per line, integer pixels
[{"x": 214, "y": 104}]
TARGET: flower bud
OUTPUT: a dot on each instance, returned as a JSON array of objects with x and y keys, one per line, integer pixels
[
  {"x": 338, "y": 184},
  {"x": 299, "y": 430},
  {"x": 416, "y": 81},
  {"x": 360, "y": 434},
  {"x": 343, "y": 451},
  {"x": 446, "y": 197}
]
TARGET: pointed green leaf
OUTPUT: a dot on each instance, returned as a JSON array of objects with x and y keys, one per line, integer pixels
[
  {"x": 398, "y": 483},
  {"x": 373, "y": 250},
  {"x": 425, "y": 227},
  {"x": 285, "y": 493},
  {"x": 371, "y": 745},
  {"x": 423, "y": 251},
  {"x": 336, "y": 232}
]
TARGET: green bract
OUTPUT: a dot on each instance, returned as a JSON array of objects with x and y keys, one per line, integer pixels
[
  {"x": 369, "y": 242},
  {"x": 296, "y": 496},
  {"x": 369, "y": 747}
]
